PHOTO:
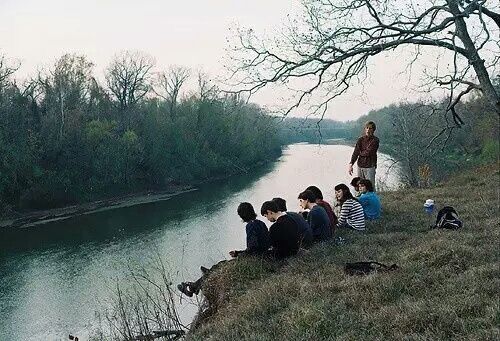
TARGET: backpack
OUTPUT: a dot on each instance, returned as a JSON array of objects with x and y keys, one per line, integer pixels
[
  {"x": 365, "y": 268},
  {"x": 447, "y": 218}
]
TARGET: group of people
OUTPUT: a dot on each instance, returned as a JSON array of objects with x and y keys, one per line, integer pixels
[{"x": 317, "y": 221}]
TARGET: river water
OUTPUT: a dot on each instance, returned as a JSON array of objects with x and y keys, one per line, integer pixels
[{"x": 55, "y": 276}]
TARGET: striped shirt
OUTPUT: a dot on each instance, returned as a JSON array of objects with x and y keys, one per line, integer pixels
[{"x": 352, "y": 214}]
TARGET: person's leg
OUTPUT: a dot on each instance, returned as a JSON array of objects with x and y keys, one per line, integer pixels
[{"x": 370, "y": 175}]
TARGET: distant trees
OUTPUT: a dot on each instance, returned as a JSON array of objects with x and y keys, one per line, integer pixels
[
  {"x": 66, "y": 138},
  {"x": 419, "y": 137}
]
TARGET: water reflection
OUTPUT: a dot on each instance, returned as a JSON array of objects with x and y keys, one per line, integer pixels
[{"x": 55, "y": 275}]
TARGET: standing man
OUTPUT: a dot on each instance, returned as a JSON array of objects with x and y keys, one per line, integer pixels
[{"x": 365, "y": 153}]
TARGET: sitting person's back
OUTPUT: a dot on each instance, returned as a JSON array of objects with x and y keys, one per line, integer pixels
[
  {"x": 317, "y": 218},
  {"x": 369, "y": 200},
  {"x": 258, "y": 240},
  {"x": 305, "y": 232},
  {"x": 328, "y": 208},
  {"x": 284, "y": 233}
]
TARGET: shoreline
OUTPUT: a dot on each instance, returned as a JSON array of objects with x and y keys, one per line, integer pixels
[{"x": 39, "y": 217}]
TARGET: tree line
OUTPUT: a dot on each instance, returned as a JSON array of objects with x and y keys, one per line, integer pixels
[
  {"x": 66, "y": 137},
  {"x": 428, "y": 143}
]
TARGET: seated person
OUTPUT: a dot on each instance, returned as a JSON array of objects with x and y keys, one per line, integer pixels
[
  {"x": 355, "y": 185},
  {"x": 369, "y": 200},
  {"x": 305, "y": 232},
  {"x": 258, "y": 242},
  {"x": 284, "y": 233},
  {"x": 328, "y": 208},
  {"x": 317, "y": 218},
  {"x": 351, "y": 212}
]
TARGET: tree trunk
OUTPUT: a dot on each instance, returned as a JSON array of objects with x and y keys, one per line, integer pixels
[{"x": 474, "y": 58}]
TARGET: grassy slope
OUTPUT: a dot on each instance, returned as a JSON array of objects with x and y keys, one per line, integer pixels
[{"x": 447, "y": 287}]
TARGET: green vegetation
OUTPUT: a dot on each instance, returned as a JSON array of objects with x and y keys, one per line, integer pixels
[
  {"x": 67, "y": 139},
  {"x": 446, "y": 288},
  {"x": 428, "y": 144}
]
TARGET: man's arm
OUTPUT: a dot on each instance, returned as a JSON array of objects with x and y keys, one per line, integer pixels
[{"x": 355, "y": 153}]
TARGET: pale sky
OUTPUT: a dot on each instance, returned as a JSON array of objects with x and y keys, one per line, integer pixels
[{"x": 190, "y": 33}]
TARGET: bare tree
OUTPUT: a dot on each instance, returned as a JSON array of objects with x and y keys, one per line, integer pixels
[
  {"x": 331, "y": 44},
  {"x": 129, "y": 78},
  {"x": 66, "y": 86},
  {"x": 7, "y": 69},
  {"x": 170, "y": 84}
]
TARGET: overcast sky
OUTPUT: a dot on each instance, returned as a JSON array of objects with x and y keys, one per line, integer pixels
[{"x": 191, "y": 33}]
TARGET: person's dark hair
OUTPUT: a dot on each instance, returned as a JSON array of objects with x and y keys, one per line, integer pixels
[
  {"x": 355, "y": 181},
  {"x": 281, "y": 203},
  {"x": 367, "y": 183},
  {"x": 308, "y": 195},
  {"x": 346, "y": 193},
  {"x": 316, "y": 191},
  {"x": 269, "y": 206},
  {"x": 371, "y": 123},
  {"x": 246, "y": 212}
]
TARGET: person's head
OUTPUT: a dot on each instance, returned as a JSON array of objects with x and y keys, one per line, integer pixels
[
  {"x": 370, "y": 128},
  {"x": 355, "y": 183},
  {"x": 316, "y": 191},
  {"x": 342, "y": 192},
  {"x": 365, "y": 185},
  {"x": 246, "y": 212},
  {"x": 281, "y": 203},
  {"x": 270, "y": 210},
  {"x": 307, "y": 198}
]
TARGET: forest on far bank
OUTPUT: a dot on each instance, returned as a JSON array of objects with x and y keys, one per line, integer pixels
[{"x": 66, "y": 138}]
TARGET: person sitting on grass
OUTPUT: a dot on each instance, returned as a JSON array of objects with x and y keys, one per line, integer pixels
[
  {"x": 317, "y": 217},
  {"x": 351, "y": 213},
  {"x": 258, "y": 240},
  {"x": 305, "y": 232},
  {"x": 258, "y": 243},
  {"x": 369, "y": 200},
  {"x": 328, "y": 208},
  {"x": 355, "y": 185},
  {"x": 284, "y": 232}
]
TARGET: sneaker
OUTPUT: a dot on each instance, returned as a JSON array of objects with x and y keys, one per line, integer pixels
[{"x": 185, "y": 289}]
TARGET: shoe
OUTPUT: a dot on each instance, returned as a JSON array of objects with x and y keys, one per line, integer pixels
[
  {"x": 185, "y": 289},
  {"x": 204, "y": 269}
]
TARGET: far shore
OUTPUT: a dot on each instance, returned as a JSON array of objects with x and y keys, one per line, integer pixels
[{"x": 37, "y": 217}]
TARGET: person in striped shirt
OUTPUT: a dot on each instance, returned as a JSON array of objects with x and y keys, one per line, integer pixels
[{"x": 351, "y": 213}]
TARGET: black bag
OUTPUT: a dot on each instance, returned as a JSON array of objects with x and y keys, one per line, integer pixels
[
  {"x": 365, "y": 268},
  {"x": 447, "y": 218}
]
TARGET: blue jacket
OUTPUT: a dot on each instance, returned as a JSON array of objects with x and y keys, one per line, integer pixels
[
  {"x": 320, "y": 223},
  {"x": 258, "y": 240},
  {"x": 371, "y": 205}
]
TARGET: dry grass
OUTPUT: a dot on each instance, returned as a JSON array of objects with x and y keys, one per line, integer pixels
[{"x": 447, "y": 287}]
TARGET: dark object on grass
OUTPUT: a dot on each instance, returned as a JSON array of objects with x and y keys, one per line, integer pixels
[
  {"x": 365, "y": 268},
  {"x": 447, "y": 218}
]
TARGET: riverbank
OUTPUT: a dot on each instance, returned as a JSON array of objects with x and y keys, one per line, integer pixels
[
  {"x": 446, "y": 287},
  {"x": 37, "y": 217}
]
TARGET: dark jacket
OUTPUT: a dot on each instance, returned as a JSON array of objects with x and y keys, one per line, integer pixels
[
  {"x": 365, "y": 152},
  {"x": 284, "y": 235},
  {"x": 320, "y": 223},
  {"x": 331, "y": 215},
  {"x": 258, "y": 240},
  {"x": 305, "y": 232}
]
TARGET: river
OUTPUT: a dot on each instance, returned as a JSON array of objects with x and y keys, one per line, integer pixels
[{"x": 55, "y": 276}]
